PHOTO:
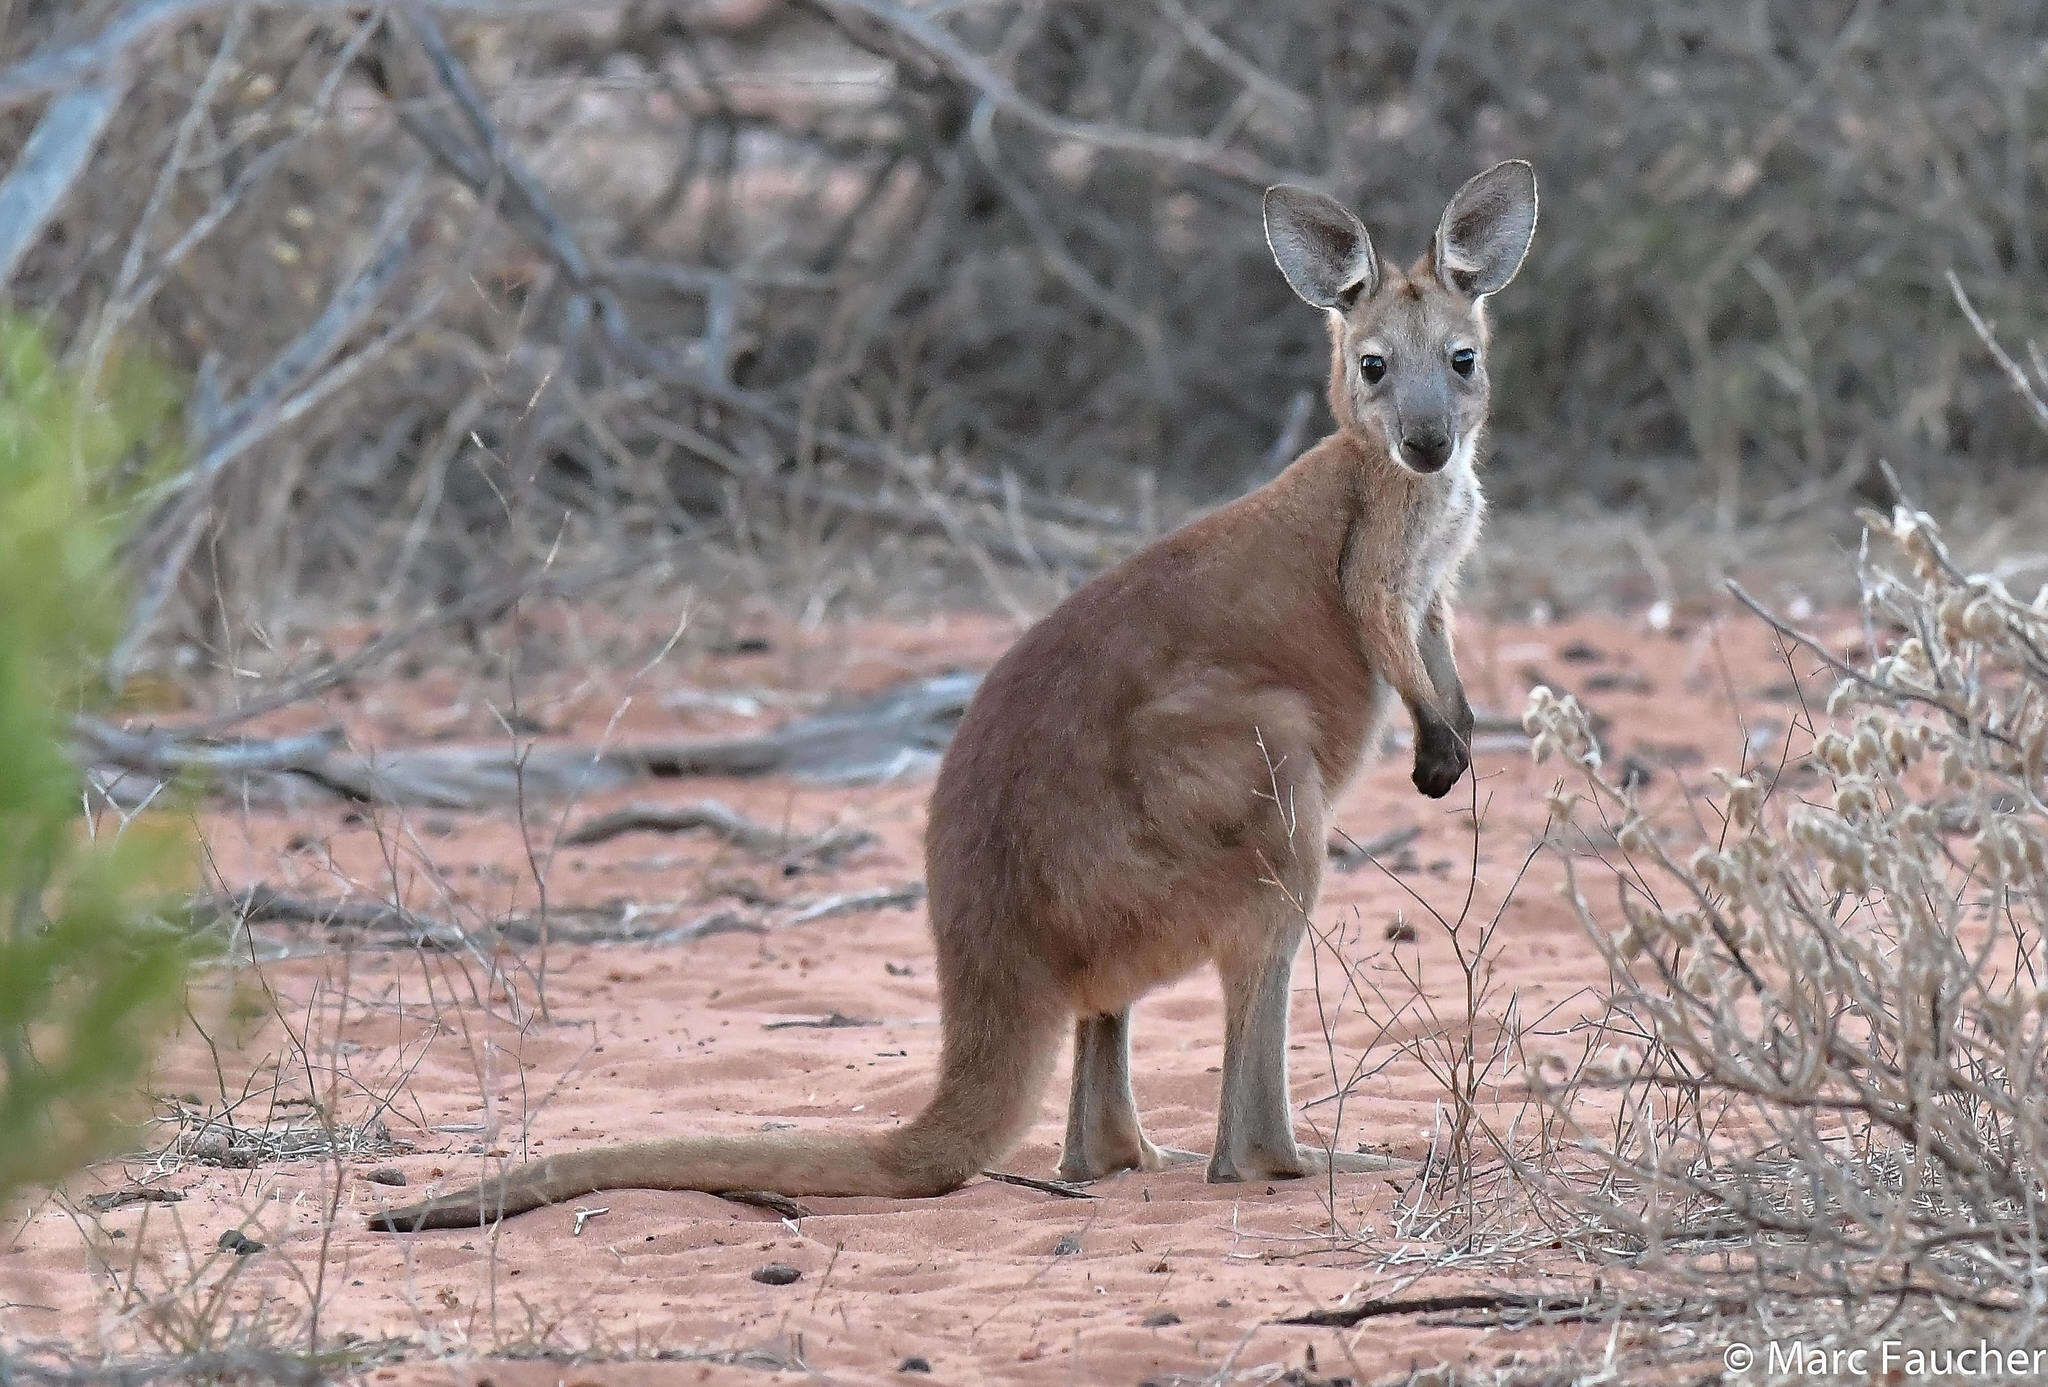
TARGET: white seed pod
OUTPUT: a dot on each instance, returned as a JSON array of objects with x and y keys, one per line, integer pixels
[
  {"x": 1711, "y": 870},
  {"x": 2034, "y": 746},
  {"x": 1543, "y": 746},
  {"x": 1848, "y": 877},
  {"x": 1635, "y": 838},
  {"x": 1898, "y": 746},
  {"x": 1758, "y": 865},
  {"x": 1626, "y": 943},
  {"x": 1920, "y": 551},
  {"x": 1949, "y": 612},
  {"x": 2020, "y": 999},
  {"x": 1854, "y": 800},
  {"x": 1992, "y": 856},
  {"x": 1982, "y": 619},
  {"x": 1832, "y": 751},
  {"x": 1540, "y": 701},
  {"x": 1562, "y": 802},
  {"x": 1699, "y": 973},
  {"x": 1956, "y": 771},
  {"x": 1911, "y": 653},
  {"x": 1917, "y": 821},
  {"x": 1745, "y": 801},
  {"x": 1866, "y": 749},
  {"x": 1685, "y": 926}
]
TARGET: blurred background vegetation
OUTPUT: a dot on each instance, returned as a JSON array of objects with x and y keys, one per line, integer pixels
[
  {"x": 469, "y": 285},
  {"x": 90, "y": 970}
]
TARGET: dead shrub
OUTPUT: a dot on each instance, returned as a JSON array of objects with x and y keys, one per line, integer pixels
[{"x": 1815, "y": 1096}]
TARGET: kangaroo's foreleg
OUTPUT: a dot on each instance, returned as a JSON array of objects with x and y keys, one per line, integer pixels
[
  {"x": 1443, "y": 731},
  {"x": 1433, "y": 643}
]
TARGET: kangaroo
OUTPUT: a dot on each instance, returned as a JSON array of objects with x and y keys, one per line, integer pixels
[{"x": 1141, "y": 783}]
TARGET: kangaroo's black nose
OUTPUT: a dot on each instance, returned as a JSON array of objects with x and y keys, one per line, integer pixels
[{"x": 1425, "y": 452}]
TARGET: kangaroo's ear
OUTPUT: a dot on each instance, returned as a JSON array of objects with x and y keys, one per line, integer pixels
[
  {"x": 1486, "y": 230},
  {"x": 1321, "y": 248}
]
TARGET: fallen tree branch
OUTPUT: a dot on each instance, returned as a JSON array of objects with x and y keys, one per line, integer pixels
[
  {"x": 1063, "y": 1188},
  {"x": 734, "y": 827},
  {"x": 1516, "y": 1307},
  {"x": 900, "y": 897},
  {"x": 108, "y": 1200},
  {"x": 901, "y": 730},
  {"x": 830, "y": 1021},
  {"x": 717, "y": 922},
  {"x": 767, "y": 1199},
  {"x": 170, "y": 755},
  {"x": 263, "y": 904},
  {"x": 1348, "y": 855}
]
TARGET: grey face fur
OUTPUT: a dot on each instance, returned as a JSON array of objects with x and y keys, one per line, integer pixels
[{"x": 1412, "y": 346}]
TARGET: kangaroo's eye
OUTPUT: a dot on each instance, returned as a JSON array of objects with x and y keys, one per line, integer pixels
[
  {"x": 1372, "y": 367},
  {"x": 1463, "y": 360}
]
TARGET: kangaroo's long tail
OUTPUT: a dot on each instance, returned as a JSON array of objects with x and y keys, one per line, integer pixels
[{"x": 993, "y": 1073}]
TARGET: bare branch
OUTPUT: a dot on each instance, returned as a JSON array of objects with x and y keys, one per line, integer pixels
[
  {"x": 112, "y": 50},
  {"x": 56, "y": 153}
]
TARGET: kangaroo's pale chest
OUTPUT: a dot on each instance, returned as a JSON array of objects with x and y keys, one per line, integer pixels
[{"x": 1446, "y": 527}]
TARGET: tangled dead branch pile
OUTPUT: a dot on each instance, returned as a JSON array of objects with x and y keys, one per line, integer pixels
[{"x": 463, "y": 282}]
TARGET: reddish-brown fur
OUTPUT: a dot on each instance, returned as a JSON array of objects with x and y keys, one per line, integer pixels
[{"x": 1140, "y": 786}]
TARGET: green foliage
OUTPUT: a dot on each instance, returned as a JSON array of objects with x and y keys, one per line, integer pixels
[{"x": 90, "y": 969}]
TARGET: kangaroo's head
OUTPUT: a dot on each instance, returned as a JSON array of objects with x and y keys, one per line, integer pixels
[{"x": 1409, "y": 350}]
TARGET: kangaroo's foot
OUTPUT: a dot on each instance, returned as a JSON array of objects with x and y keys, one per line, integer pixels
[
  {"x": 1083, "y": 1166},
  {"x": 1103, "y": 1135},
  {"x": 1304, "y": 1161}
]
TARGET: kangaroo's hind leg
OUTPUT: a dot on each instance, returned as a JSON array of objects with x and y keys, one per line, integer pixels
[
  {"x": 1103, "y": 1135},
  {"x": 1255, "y": 1116}
]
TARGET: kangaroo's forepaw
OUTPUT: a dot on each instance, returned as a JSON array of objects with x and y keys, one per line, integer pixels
[{"x": 1439, "y": 768}]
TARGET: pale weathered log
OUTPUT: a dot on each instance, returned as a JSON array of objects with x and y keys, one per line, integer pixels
[{"x": 901, "y": 731}]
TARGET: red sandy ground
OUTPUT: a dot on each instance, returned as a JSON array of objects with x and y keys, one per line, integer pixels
[{"x": 644, "y": 1039}]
